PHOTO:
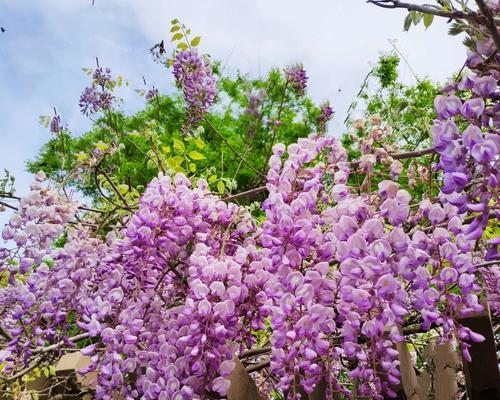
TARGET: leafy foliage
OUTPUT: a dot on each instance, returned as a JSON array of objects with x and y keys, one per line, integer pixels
[{"x": 158, "y": 127}]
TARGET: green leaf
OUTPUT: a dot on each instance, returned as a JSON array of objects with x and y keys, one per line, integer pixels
[
  {"x": 177, "y": 36},
  {"x": 195, "y": 155},
  {"x": 456, "y": 28},
  {"x": 221, "y": 187},
  {"x": 212, "y": 178},
  {"x": 200, "y": 143},
  {"x": 428, "y": 18},
  {"x": 417, "y": 17},
  {"x": 179, "y": 145},
  {"x": 122, "y": 188},
  {"x": 175, "y": 28},
  {"x": 468, "y": 42},
  {"x": 175, "y": 162},
  {"x": 408, "y": 21},
  {"x": 196, "y": 41},
  {"x": 182, "y": 46}
]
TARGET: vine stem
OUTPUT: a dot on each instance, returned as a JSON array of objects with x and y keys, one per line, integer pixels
[
  {"x": 363, "y": 85},
  {"x": 3, "y": 203},
  {"x": 245, "y": 194},
  {"x": 258, "y": 366},
  {"x": 275, "y": 129}
]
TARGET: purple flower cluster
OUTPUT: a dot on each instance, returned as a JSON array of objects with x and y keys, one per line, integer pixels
[
  {"x": 184, "y": 306},
  {"x": 39, "y": 220},
  {"x": 194, "y": 76},
  {"x": 151, "y": 94},
  {"x": 55, "y": 124},
  {"x": 470, "y": 157},
  {"x": 297, "y": 79},
  {"x": 254, "y": 102},
  {"x": 38, "y": 307},
  {"x": 97, "y": 97},
  {"x": 337, "y": 269},
  {"x": 326, "y": 113}
]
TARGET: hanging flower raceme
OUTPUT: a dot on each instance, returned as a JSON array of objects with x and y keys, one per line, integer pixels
[
  {"x": 297, "y": 79},
  {"x": 326, "y": 113},
  {"x": 97, "y": 97},
  {"x": 466, "y": 135},
  {"x": 152, "y": 94},
  {"x": 194, "y": 76},
  {"x": 179, "y": 283},
  {"x": 55, "y": 124}
]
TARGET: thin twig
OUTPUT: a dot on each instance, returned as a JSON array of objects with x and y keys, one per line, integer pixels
[
  {"x": 115, "y": 189},
  {"x": 488, "y": 263},
  {"x": 245, "y": 194},
  {"x": 275, "y": 128},
  {"x": 3, "y": 203},
  {"x": 235, "y": 151},
  {"x": 5, "y": 334},
  {"x": 46, "y": 349},
  {"x": 25, "y": 371}
]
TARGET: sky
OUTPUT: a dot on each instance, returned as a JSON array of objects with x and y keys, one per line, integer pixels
[{"x": 48, "y": 42}]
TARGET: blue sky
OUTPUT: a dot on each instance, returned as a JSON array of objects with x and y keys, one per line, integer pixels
[{"x": 47, "y": 42}]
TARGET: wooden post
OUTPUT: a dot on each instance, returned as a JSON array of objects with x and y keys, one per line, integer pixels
[
  {"x": 242, "y": 385},
  {"x": 408, "y": 375},
  {"x": 446, "y": 365},
  {"x": 481, "y": 374}
]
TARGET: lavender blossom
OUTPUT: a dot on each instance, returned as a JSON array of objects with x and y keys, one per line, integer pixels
[
  {"x": 326, "y": 113},
  {"x": 194, "y": 76},
  {"x": 297, "y": 79}
]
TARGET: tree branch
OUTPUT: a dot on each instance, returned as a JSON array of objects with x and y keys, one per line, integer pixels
[
  {"x": 402, "y": 156},
  {"x": 259, "y": 366},
  {"x": 490, "y": 22},
  {"x": 255, "y": 352},
  {"x": 25, "y": 371},
  {"x": 455, "y": 14}
]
